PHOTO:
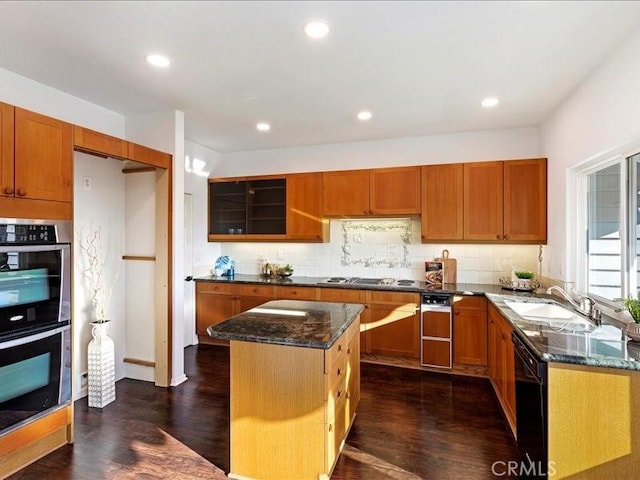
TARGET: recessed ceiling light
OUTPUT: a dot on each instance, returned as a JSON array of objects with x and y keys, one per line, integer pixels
[
  {"x": 158, "y": 60},
  {"x": 316, "y": 29},
  {"x": 364, "y": 115},
  {"x": 263, "y": 127},
  {"x": 490, "y": 102}
]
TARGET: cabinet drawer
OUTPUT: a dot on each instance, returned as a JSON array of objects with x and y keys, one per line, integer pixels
[
  {"x": 406, "y": 301},
  {"x": 340, "y": 295},
  {"x": 331, "y": 355},
  {"x": 256, "y": 290},
  {"x": 436, "y": 324},
  {"x": 213, "y": 287},
  {"x": 470, "y": 302},
  {"x": 337, "y": 370},
  {"x": 336, "y": 399},
  {"x": 297, "y": 293},
  {"x": 436, "y": 353}
]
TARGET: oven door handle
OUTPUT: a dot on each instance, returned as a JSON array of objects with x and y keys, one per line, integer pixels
[
  {"x": 435, "y": 308},
  {"x": 34, "y": 248},
  {"x": 32, "y": 338}
]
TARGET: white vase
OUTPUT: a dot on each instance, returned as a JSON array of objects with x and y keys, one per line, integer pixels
[{"x": 102, "y": 370}]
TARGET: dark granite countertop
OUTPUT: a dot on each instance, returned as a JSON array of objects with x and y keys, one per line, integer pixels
[
  {"x": 587, "y": 344},
  {"x": 290, "y": 322},
  {"x": 294, "y": 281}
]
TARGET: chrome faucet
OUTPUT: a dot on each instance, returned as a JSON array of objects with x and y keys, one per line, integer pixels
[{"x": 585, "y": 304}]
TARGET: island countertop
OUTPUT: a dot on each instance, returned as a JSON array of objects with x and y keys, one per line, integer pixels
[{"x": 290, "y": 322}]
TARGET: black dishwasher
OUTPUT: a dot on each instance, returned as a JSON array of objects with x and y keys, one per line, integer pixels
[{"x": 531, "y": 409}]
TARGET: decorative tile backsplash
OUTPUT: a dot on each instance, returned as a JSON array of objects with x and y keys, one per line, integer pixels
[
  {"x": 384, "y": 243},
  {"x": 383, "y": 248}
]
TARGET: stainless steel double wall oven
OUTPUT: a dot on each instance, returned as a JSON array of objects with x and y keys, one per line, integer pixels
[{"x": 35, "y": 319}]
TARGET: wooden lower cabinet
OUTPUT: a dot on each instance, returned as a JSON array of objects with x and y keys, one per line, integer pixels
[
  {"x": 502, "y": 364},
  {"x": 470, "y": 330},
  {"x": 392, "y": 324},
  {"x": 291, "y": 407},
  {"x": 27, "y": 444},
  {"x": 215, "y": 302}
]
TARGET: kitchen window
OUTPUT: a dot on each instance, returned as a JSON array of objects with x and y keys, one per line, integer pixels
[{"x": 608, "y": 215}]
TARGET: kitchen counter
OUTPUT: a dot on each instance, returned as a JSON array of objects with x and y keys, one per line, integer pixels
[
  {"x": 299, "y": 281},
  {"x": 290, "y": 322},
  {"x": 603, "y": 346}
]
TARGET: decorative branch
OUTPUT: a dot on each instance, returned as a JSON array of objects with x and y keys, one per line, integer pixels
[{"x": 100, "y": 293}]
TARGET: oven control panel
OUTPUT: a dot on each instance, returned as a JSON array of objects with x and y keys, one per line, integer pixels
[
  {"x": 11, "y": 233},
  {"x": 443, "y": 299}
]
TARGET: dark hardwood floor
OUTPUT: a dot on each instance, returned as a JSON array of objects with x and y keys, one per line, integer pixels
[{"x": 410, "y": 424}]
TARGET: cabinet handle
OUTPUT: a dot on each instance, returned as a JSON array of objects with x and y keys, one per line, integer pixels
[
  {"x": 348, "y": 395},
  {"x": 331, "y": 427},
  {"x": 22, "y": 192},
  {"x": 255, "y": 290},
  {"x": 506, "y": 237},
  {"x": 340, "y": 348},
  {"x": 339, "y": 394},
  {"x": 339, "y": 372},
  {"x": 348, "y": 351},
  {"x": 457, "y": 312},
  {"x": 499, "y": 237},
  {"x": 8, "y": 191}
]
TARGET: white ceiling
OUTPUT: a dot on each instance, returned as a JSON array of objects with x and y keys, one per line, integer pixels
[{"x": 422, "y": 68}]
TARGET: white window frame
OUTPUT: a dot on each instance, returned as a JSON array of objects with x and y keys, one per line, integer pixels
[{"x": 577, "y": 221}]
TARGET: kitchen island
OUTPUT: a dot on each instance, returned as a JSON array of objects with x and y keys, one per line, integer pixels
[{"x": 294, "y": 386}]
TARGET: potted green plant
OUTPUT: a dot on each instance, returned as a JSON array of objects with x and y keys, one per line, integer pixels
[
  {"x": 633, "y": 328},
  {"x": 524, "y": 278}
]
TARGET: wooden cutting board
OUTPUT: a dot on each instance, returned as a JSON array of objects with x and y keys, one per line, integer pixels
[{"x": 450, "y": 267}]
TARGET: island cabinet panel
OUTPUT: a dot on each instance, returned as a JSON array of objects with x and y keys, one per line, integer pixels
[
  {"x": 442, "y": 202},
  {"x": 525, "y": 200},
  {"x": 502, "y": 365},
  {"x": 291, "y": 407},
  {"x": 304, "y": 208},
  {"x": 43, "y": 157},
  {"x": 593, "y": 424},
  {"x": 470, "y": 330},
  {"x": 345, "y": 193},
  {"x": 394, "y": 191},
  {"x": 392, "y": 326},
  {"x": 99, "y": 143},
  {"x": 483, "y": 201}
]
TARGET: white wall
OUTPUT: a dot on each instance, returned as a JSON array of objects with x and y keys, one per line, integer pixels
[
  {"x": 460, "y": 147},
  {"x": 603, "y": 114},
  {"x": 101, "y": 207},
  {"x": 26, "y": 93},
  {"x": 195, "y": 183}
]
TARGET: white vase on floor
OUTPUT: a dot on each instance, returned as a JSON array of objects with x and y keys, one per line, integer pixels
[{"x": 102, "y": 370}]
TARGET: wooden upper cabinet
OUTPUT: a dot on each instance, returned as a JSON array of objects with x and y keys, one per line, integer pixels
[
  {"x": 148, "y": 156},
  {"x": 394, "y": 191},
  {"x": 304, "y": 207},
  {"x": 6, "y": 150},
  {"x": 442, "y": 202},
  {"x": 345, "y": 193},
  {"x": 525, "y": 200},
  {"x": 483, "y": 201},
  {"x": 100, "y": 143},
  {"x": 43, "y": 157}
]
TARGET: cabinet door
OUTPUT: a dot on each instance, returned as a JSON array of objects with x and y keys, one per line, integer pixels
[
  {"x": 148, "y": 156},
  {"x": 442, "y": 202},
  {"x": 304, "y": 207},
  {"x": 96, "y": 142},
  {"x": 297, "y": 293},
  {"x": 43, "y": 156},
  {"x": 483, "y": 201},
  {"x": 245, "y": 303},
  {"x": 525, "y": 200},
  {"x": 393, "y": 331},
  {"x": 345, "y": 193},
  {"x": 227, "y": 207},
  {"x": 470, "y": 331},
  {"x": 214, "y": 303},
  {"x": 6, "y": 150},
  {"x": 394, "y": 191}
]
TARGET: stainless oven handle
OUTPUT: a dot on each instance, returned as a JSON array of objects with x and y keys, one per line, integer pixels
[
  {"x": 435, "y": 308},
  {"x": 32, "y": 338},
  {"x": 34, "y": 248}
]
